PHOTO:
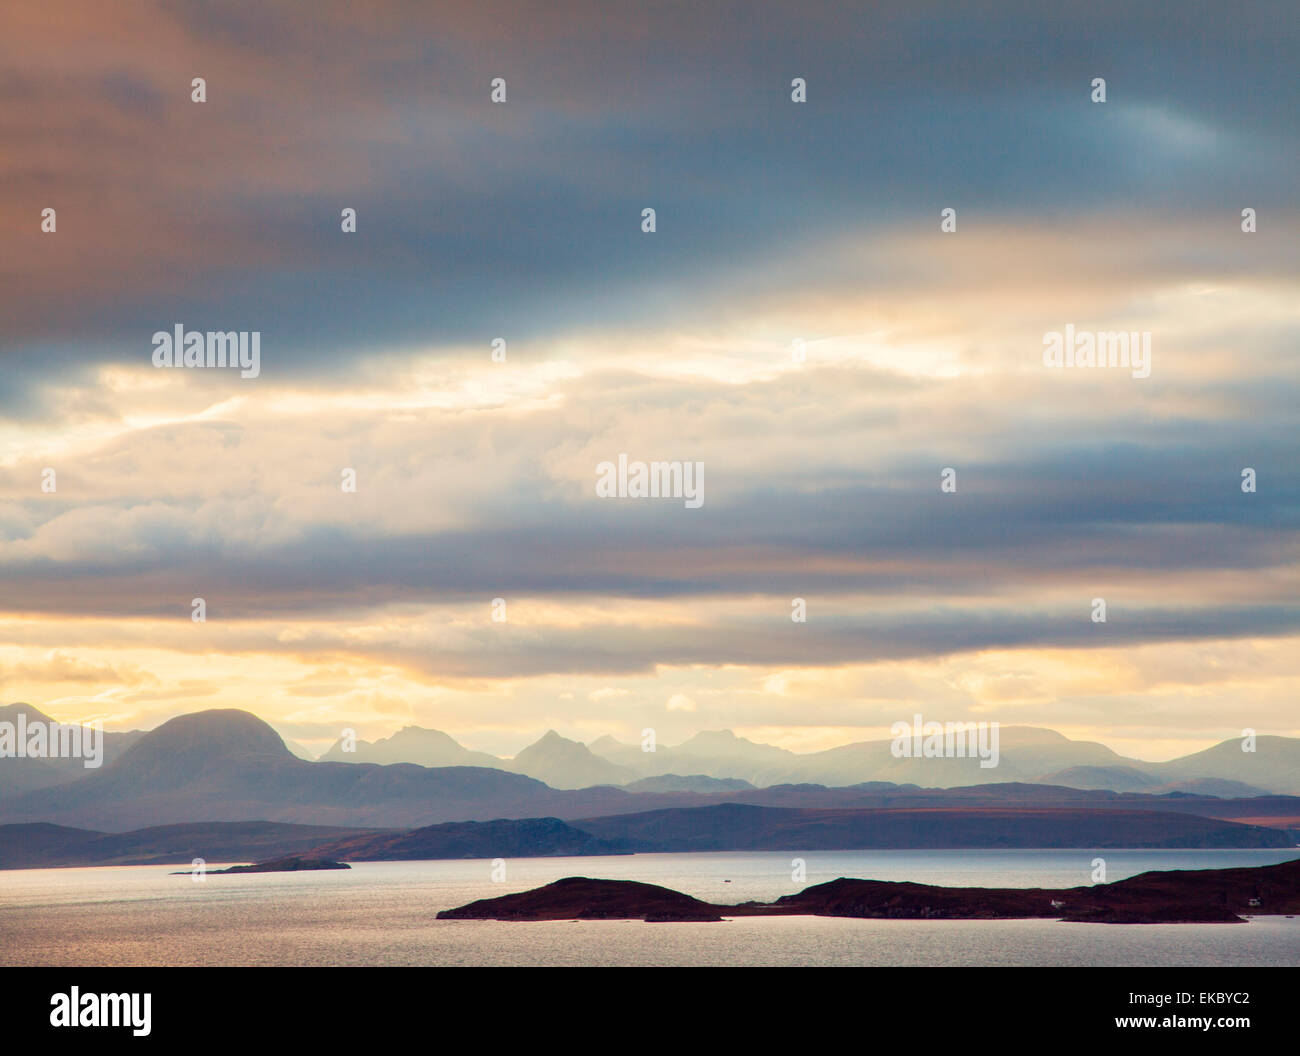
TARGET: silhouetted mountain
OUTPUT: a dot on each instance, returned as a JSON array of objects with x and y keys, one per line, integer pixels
[
  {"x": 712, "y": 753},
  {"x": 10, "y": 713},
  {"x": 1026, "y": 754},
  {"x": 563, "y": 763},
  {"x": 413, "y": 744},
  {"x": 231, "y": 766},
  {"x": 23, "y": 774},
  {"x": 723, "y": 744},
  {"x": 190, "y": 748},
  {"x": 604, "y": 746},
  {"x": 228, "y": 765},
  {"x": 559, "y": 762},
  {"x": 1274, "y": 764}
]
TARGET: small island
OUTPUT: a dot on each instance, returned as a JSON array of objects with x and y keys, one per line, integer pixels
[
  {"x": 292, "y": 864},
  {"x": 1204, "y": 896},
  {"x": 579, "y": 898}
]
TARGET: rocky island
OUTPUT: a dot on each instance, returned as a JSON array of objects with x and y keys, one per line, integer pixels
[
  {"x": 578, "y": 898},
  {"x": 292, "y": 864},
  {"x": 1176, "y": 896}
]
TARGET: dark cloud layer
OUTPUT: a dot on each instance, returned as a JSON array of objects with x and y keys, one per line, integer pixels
[{"x": 478, "y": 219}]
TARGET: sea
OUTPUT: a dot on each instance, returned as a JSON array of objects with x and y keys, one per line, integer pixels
[{"x": 383, "y": 913}]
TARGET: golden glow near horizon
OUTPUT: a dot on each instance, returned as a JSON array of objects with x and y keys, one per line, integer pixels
[
  {"x": 375, "y": 668},
  {"x": 461, "y": 428}
]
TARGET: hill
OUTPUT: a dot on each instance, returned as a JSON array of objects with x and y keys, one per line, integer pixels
[
  {"x": 502, "y": 838},
  {"x": 43, "y": 846},
  {"x": 737, "y": 827}
]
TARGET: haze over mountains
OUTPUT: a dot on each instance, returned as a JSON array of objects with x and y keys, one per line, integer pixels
[
  {"x": 1027, "y": 753},
  {"x": 410, "y": 744},
  {"x": 22, "y": 774},
  {"x": 230, "y": 766},
  {"x": 718, "y": 760}
]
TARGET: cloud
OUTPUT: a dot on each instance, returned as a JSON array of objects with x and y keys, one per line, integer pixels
[{"x": 778, "y": 222}]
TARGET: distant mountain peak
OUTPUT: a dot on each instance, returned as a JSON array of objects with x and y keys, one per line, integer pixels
[
  {"x": 727, "y": 744},
  {"x": 411, "y": 744},
  {"x": 10, "y": 713},
  {"x": 563, "y": 763},
  {"x": 423, "y": 733},
  {"x": 552, "y": 742},
  {"x": 715, "y": 736},
  {"x": 187, "y": 745}
]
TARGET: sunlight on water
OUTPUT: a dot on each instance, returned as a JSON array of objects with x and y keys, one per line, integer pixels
[{"x": 383, "y": 913}]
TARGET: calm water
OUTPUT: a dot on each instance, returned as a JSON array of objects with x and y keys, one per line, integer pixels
[{"x": 382, "y": 913}]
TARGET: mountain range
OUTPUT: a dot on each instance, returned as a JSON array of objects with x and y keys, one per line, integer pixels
[
  {"x": 1027, "y": 753},
  {"x": 230, "y": 766}
]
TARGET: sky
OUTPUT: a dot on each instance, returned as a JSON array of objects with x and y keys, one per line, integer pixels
[{"x": 780, "y": 227}]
